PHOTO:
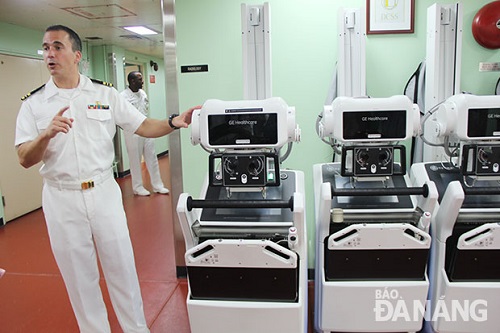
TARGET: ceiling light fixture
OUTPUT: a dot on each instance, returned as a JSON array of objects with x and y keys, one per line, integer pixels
[{"x": 141, "y": 30}]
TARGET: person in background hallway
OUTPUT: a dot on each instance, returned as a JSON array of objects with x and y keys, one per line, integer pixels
[
  {"x": 69, "y": 124},
  {"x": 138, "y": 146}
]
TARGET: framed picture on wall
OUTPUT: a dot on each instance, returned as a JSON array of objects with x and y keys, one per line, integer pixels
[{"x": 390, "y": 16}]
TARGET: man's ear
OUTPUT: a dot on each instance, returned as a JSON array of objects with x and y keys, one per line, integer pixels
[{"x": 78, "y": 56}]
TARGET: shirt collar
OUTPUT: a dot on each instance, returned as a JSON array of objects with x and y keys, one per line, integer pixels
[
  {"x": 52, "y": 90},
  {"x": 130, "y": 91}
]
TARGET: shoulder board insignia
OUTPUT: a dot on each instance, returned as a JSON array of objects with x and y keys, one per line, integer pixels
[
  {"x": 102, "y": 82},
  {"x": 32, "y": 92}
]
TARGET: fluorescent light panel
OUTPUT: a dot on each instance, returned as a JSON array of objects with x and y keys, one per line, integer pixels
[{"x": 141, "y": 30}]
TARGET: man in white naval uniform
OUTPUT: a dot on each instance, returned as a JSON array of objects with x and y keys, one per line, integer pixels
[
  {"x": 138, "y": 146},
  {"x": 69, "y": 124}
]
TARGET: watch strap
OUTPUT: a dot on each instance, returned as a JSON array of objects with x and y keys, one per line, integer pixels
[{"x": 170, "y": 121}]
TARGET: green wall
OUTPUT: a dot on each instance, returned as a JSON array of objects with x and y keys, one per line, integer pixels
[
  {"x": 19, "y": 41},
  {"x": 304, "y": 49}
]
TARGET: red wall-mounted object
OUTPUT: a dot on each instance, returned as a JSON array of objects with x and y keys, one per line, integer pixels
[{"x": 486, "y": 26}]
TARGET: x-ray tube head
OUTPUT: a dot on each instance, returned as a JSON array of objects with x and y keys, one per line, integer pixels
[
  {"x": 369, "y": 120},
  {"x": 251, "y": 124},
  {"x": 475, "y": 117},
  {"x": 472, "y": 124}
]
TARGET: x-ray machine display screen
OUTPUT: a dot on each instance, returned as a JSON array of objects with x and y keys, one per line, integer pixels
[
  {"x": 362, "y": 125},
  {"x": 243, "y": 129},
  {"x": 483, "y": 123}
]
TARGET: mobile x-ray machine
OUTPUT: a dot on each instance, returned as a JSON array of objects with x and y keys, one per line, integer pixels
[
  {"x": 371, "y": 225},
  {"x": 246, "y": 245},
  {"x": 465, "y": 256}
]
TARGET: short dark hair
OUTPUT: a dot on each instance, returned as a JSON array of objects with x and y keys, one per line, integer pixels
[
  {"x": 76, "y": 42},
  {"x": 132, "y": 75}
]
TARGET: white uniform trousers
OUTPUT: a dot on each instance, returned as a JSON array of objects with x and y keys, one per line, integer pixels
[
  {"x": 78, "y": 219},
  {"x": 138, "y": 146}
]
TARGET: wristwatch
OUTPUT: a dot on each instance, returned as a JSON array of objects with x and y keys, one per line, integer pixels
[{"x": 170, "y": 122}]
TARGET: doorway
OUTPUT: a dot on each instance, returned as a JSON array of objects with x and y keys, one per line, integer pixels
[{"x": 21, "y": 188}]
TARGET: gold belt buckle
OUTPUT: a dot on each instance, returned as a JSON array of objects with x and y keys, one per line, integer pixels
[{"x": 87, "y": 185}]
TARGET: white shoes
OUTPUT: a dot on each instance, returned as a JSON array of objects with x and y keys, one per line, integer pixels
[
  {"x": 142, "y": 192},
  {"x": 162, "y": 190}
]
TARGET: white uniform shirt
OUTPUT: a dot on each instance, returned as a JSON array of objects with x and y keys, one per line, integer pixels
[
  {"x": 87, "y": 149},
  {"x": 138, "y": 99}
]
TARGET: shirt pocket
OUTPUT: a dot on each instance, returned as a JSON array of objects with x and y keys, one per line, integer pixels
[
  {"x": 98, "y": 123},
  {"x": 43, "y": 124},
  {"x": 100, "y": 115}
]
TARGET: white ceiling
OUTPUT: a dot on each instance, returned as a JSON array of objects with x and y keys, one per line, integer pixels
[{"x": 104, "y": 19}]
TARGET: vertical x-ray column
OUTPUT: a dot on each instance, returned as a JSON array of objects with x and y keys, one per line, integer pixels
[
  {"x": 255, "y": 30},
  {"x": 443, "y": 61},
  {"x": 349, "y": 78},
  {"x": 351, "y": 66}
]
